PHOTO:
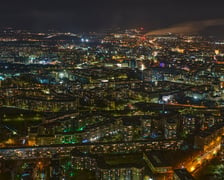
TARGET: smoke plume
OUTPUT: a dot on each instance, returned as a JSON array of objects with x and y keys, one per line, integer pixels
[{"x": 188, "y": 27}]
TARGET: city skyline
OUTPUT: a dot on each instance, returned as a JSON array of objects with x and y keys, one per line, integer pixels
[
  {"x": 99, "y": 90},
  {"x": 76, "y": 16},
  {"x": 111, "y": 105}
]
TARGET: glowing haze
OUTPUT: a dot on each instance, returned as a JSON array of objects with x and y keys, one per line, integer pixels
[{"x": 188, "y": 27}]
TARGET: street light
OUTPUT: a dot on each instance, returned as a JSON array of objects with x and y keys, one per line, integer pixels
[
  {"x": 192, "y": 169},
  {"x": 142, "y": 69}
]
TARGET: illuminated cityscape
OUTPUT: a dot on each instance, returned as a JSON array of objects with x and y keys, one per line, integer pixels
[
  {"x": 120, "y": 90},
  {"x": 113, "y": 105}
]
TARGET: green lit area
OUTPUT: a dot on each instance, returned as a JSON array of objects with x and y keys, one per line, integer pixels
[
  {"x": 69, "y": 140},
  {"x": 81, "y": 128},
  {"x": 67, "y": 166},
  {"x": 72, "y": 174},
  {"x": 67, "y": 130}
]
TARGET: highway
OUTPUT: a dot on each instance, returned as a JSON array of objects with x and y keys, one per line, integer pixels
[{"x": 193, "y": 164}]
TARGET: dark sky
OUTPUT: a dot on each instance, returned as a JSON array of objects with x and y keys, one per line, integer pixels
[{"x": 88, "y": 15}]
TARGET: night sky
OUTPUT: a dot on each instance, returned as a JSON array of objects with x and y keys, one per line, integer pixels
[{"x": 95, "y": 15}]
